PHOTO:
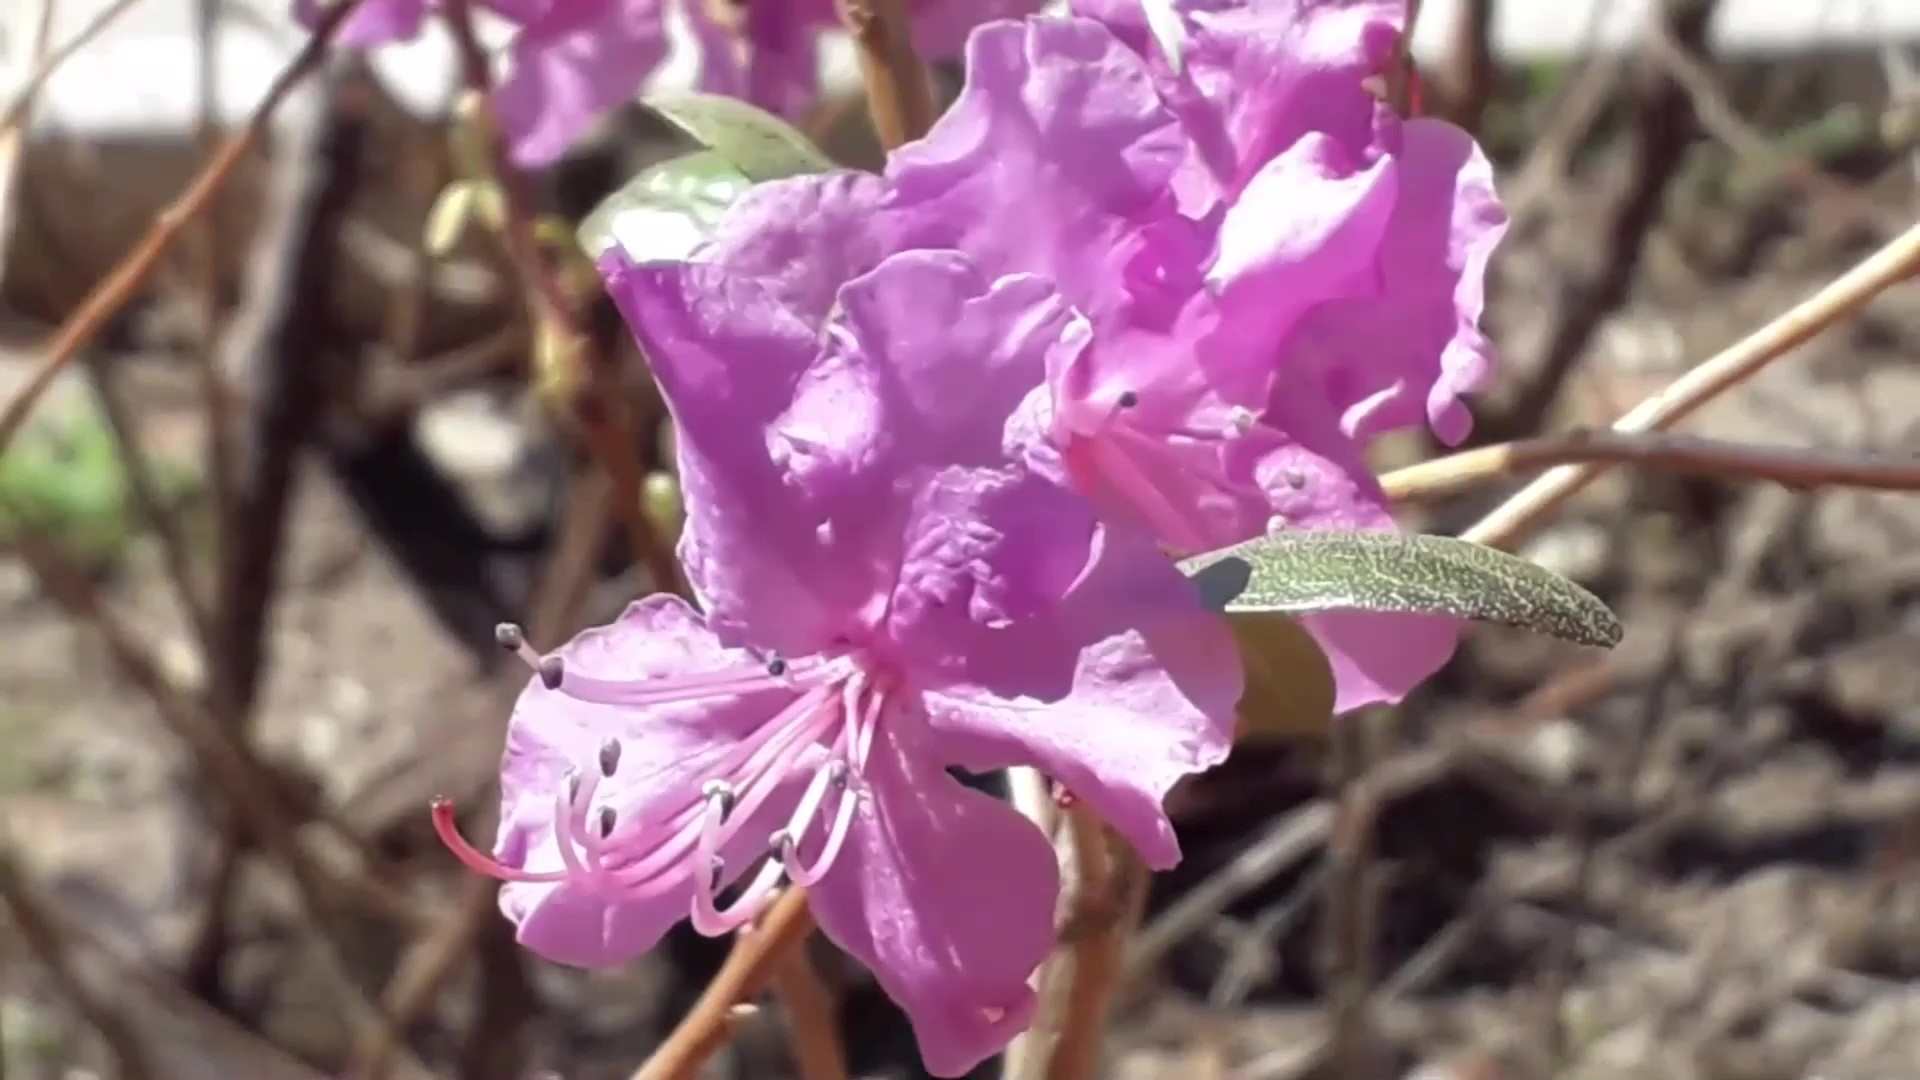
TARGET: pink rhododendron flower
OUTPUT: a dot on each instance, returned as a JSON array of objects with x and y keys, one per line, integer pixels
[
  {"x": 1273, "y": 266},
  {"x": 572, "y": 60},
  {"x": 887, "y": 593}
]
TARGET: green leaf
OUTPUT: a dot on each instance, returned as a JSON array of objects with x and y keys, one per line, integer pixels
[
  {"x": 1289, "y": 693},
  {"x": 1300, "y": 572},
  {"x": 666, "y": 210},
  {"x": 757, "y": 143}
]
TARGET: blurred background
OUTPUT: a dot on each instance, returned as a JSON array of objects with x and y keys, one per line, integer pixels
[{"x": 256, "y": 540}]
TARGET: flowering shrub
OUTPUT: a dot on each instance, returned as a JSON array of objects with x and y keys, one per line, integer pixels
[{"x": 1146, "y": 291}]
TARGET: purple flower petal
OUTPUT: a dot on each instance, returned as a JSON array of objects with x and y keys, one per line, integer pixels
[
  {"x": 947, "y": 895},
  {"x": 803, "y": 238},
  {"x": 375, "y": 22},
  {"x": 1151, "y": 701},
  {"x": 567, "y": 70},
  {"x": 1432, "y": 261},
  {"x": 1057, "y": 151},
  {"x": 729, "y": 357},
  {"x": 665, "y": 752},
  {"x": 1255, "y": 76}
]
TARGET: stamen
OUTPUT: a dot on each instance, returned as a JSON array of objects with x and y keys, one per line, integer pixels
[
  {"x": 1127, "y": 399},
  {"x": 552, "y": 670},
  {"x": 566, "y": 831},
  {"x": 665, "y": 690},
  {"x": 1240, "y": 420},
  {"x": 609, "y": 757},
  {"x": 776, "y": 667},
  {"x": 720, "y": 791},
  {"x": 510, "y": 637},
  {"x": 808, "y": 876},
  {"x": 448, "y": 829}
]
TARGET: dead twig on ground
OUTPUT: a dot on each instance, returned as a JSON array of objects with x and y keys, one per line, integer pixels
[
  {"x": 234, "y": 773},
  {"x": 43, "y": 938}
]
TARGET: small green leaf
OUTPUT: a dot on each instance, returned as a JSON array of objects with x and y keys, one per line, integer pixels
[
  {"x": 666, "y": 210},
  {"x": 756, "y": 142},
  {"x": 1299, "y": 572},
  {"x": 1289, "y": 693}
]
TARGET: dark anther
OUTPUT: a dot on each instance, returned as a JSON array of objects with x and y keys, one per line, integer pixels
[
  {"x": 1127, "y": 399},
  {"x": 552, "y": 670},
  {"x": 778, "y": 843},
  {"x": 776, "y": 667},
  {"x": 1296, "y": 479},
  {"x": 606, "y": 822},
  {"x": 721, "y": 790},
  {"x": 837, "y": 774},
  {"x": 509, "y": 636},
  {"x": 609, "y": 756}
]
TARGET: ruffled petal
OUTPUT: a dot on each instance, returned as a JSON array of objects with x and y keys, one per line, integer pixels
[
  {"x": 1432, "y": 264},
  {"x": 1056, "y": 151},
  {"x": 799, "y": 482},
  {"x": 728, "y": 356},
  {"x": 1252, "y": 78},
  {"x": 1151, "y": 699},
  {"x": 949, "y": 352},
  {"x": 947, "y": 895},
  {"x": 1378, "y": 658},
  {"x": 566, "y": 71},
  {"x": 804, "y": 237},
  {"x": 666, "y": 752}
]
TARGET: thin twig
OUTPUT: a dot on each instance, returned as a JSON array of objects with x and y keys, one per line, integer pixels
[
  {"x": 38, "y": 929},
  {"x": 419, "y": 976},
  {"x": 1840, "y": 298},
  {"x": 1664, "y": 128},
  {"x": 48, "y": 63},
  {"x": 231, "y": 767},
  {"x": 175, "y": 555},
  {"x": 1104, "y": 895},
  {"x": 215, "y": 396},
  {"x": 282, "y": 341},
  {"x": 899, "y": 91},
  {"x": 608, "y": 414},
  {"x": 119, "y": 286},
  {"x": 1793, "y": 467},
  {"x": 756, "y": 956},
  {"x": 813, "y": 1028},
  {"x": 1718, "y": 116}
]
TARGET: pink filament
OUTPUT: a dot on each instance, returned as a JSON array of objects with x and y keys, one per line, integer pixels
[{"x": 843, "y": 718}]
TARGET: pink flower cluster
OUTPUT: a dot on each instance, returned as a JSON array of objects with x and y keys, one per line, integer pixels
[
  {"x": 1148, "y": 289},
  {"x": 572, "y": 60}
]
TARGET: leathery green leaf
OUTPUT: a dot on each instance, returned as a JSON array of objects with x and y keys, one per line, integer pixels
[
  {"x": 756, "y": 142},
  {"x": 1304, "y": 572}
]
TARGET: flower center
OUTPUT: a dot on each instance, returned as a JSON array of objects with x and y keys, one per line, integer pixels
[
  {"x": 1163, "y": 474},
  {"x": 826, "y": 727}
]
